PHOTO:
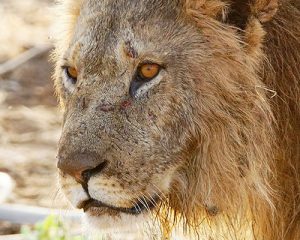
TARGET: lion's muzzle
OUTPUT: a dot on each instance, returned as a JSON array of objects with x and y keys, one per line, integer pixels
[{"x": 81, "y": 166}]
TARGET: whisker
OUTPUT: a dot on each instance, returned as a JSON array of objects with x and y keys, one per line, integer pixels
[
  {"x": 145, "y": 204},
  {"x": 139, "y": 208},
  {"x": 161, "y": 195},
  {"x": 151, "y": 199},
  {"x": 55, "y": 196}
]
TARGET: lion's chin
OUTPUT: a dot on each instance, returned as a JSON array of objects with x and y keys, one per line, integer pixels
[
  {"x": 101, "y": 222},
  {"x": 110, "y": 219}
]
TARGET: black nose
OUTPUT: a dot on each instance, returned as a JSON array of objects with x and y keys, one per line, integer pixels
[{"x": 81, "y": 166}]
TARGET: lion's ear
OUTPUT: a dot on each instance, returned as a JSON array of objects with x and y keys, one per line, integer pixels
[
  {"x": 235, "y": 12},
  {"x": 247, "y": 15},
  {"x": 240, "y": 11}
]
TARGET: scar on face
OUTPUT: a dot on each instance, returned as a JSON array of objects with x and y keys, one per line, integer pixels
[{"x": 129, "y": 50}]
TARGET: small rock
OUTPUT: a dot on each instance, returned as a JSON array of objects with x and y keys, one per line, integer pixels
[{"x": 6, "y": 186}]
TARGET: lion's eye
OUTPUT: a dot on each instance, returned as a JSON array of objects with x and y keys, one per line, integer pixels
[
  {"x": 147, "y": 76},
  {"x": 148, "y": 71},
  {"x": 69, "y": 78},
  {"x": 72, "y": 74}
]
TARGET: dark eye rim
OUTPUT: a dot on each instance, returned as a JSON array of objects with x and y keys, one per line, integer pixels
[{"x": 69, "y": 77}]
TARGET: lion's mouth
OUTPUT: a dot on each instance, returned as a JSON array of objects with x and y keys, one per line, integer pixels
[{"x": 138, "y": 208}]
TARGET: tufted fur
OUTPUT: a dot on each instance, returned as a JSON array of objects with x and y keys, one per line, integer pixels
[{"x": 228, "y": 126}]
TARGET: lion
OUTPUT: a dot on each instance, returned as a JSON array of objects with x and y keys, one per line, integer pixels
[{"x": 182, "y": 116}]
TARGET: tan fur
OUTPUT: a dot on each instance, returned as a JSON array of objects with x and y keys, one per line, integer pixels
[
  {"x": 217, "y": 138},
  {"x": 67, "y": 13}
]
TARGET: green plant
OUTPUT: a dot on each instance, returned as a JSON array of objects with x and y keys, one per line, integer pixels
[{"x": 52, "y": 228}]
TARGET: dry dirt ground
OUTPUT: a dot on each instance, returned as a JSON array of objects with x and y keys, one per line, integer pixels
[{"x": 29, "y": 117}]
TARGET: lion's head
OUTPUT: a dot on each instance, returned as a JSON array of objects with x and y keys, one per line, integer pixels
[{"x": 164, "y": 112}]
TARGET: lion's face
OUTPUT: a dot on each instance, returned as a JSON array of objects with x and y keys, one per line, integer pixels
[
  {"x": 123, "y": 83},
  {"x": 142, "y": 87}
]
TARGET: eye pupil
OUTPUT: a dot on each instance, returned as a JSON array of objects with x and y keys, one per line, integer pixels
[{"x": 149, "y": 71}]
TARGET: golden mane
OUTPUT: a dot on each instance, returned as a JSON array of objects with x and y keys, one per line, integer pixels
[{"x": 220, "y": 175}]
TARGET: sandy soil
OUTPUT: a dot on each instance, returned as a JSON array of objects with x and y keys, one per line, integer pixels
[
  {"x": 23, "y": 24},
  {"x": 29, "y": 117}
]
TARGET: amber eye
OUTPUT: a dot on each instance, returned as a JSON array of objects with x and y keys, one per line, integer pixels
[
  {"x": 144, "y": 75},
  {"x": 148, "y": 71},
  {"x": 72, "y": 73}
]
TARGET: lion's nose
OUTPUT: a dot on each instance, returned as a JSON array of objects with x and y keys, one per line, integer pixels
[{"x": 81, "y": 166}]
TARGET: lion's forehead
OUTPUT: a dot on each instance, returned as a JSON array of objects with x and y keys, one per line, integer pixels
[
  {"x": 135, "y": 10},
  {"x": 103, "y": 27}
]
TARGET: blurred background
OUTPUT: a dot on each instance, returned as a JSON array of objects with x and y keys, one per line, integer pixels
[{"x": 29, "y": 117}]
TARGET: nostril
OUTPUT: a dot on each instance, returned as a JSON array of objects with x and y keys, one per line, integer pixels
[{"x": 87, "y": 174}]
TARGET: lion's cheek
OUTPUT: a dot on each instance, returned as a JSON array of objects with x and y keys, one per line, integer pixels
[{"x": 111, "y": 192}]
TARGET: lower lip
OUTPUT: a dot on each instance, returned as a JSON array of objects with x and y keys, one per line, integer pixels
[{"x": 101, "y": 211}]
